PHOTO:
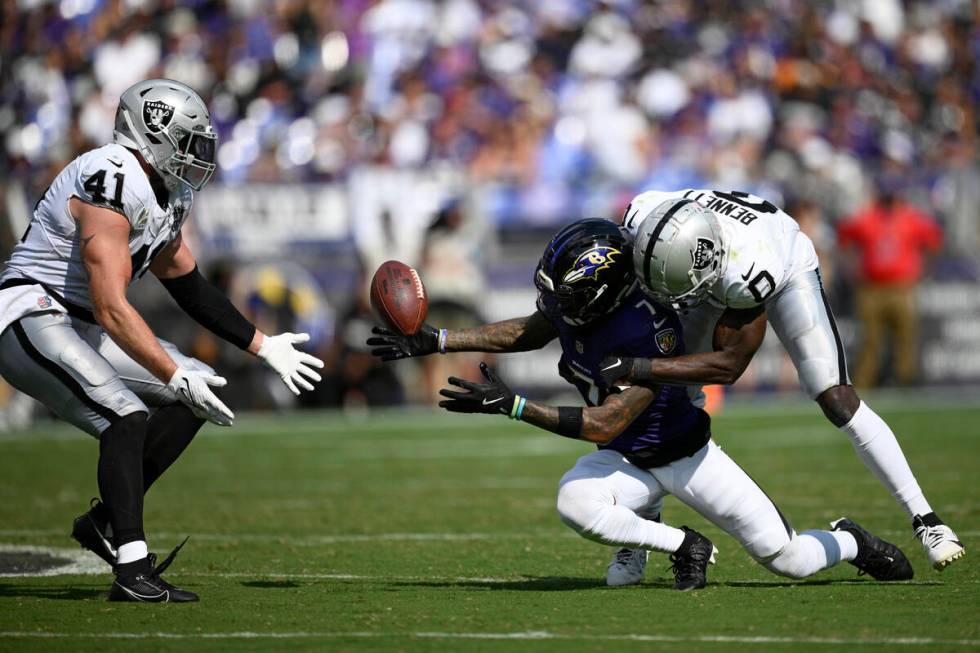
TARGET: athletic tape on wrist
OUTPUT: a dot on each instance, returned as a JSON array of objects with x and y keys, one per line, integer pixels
[
  {"x": 442, "y": 341},
  {"x": 520, "y": 408}
]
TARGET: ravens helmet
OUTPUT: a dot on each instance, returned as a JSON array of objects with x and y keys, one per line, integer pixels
[{"x": 585, "y": 272}]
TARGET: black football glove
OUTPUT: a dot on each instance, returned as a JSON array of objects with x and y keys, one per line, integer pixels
[
  {"x": 492, "y": 397},
  {"x": 613, "y": 369},
  {"x": 389, "y": 345}
]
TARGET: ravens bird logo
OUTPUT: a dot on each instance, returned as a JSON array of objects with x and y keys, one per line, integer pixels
[{"x": 591, "y": 263}]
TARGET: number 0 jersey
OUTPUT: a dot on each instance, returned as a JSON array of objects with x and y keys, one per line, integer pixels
[
  {"x": 765, "y": 245},
  {"x": 46, "y": 270}
]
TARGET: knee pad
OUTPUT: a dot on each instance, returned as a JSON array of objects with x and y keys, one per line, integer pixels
[{"x": 580, "y": 506}]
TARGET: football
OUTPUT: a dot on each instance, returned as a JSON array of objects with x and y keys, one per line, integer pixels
[{"x": 399, "y": 298}]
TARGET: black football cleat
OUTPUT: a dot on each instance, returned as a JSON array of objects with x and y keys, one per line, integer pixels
[
  {"x": 877, "y": 558},
  {"x": 90, "y": 533},
  {"x": 690, "y": 562},
  {"x": 140, "y": 582}
]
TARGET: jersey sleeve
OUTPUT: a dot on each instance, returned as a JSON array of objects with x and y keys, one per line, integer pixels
[{"x": 114, "y": 181}]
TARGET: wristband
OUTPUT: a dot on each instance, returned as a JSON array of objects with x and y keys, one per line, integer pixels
[
  {"x": 442, "y": 341},
  {"x": 641, "y": 370},
  {"x": 513, "y": 409},
  {"x": 569, "y": 422},
  {"x": 520, "y": 408}
]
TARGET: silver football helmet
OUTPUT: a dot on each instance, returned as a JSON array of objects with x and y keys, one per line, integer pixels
[
  {"x": 169, "y": 124},
  {"x": 679, "y": 252}
]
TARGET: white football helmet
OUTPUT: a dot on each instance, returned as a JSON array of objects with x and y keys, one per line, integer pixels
[
  {"x": 169, "y": 124},
  {"x": 679, "y": 252}
]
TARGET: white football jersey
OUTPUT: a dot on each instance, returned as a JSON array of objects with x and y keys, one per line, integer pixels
[
  {"x": 49, "y": 253},
  {"x": 765, "y": 245}
]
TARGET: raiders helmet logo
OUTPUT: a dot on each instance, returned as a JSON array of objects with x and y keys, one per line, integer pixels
[
  {"x": 157, "y": 115},
  {"x": 703, "y": 254},
  {"x": 590, "y": 263},
  {"x": 666, "y": 341}
]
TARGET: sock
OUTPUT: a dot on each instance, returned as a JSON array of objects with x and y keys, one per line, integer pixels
[
  {"x": 131, "y": 552},
  {"x": 878, "y": 449},
  {"x": 846, "y": 542},
  {"x": 813, "y": 551},
  {"x": 168, "y": 432},
  {"x": 121, "y": 476}
]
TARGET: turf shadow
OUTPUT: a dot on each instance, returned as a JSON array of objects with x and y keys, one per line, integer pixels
[
  {"x": 270, "y": 584},
  {"x": 51, "y": 593},
  {"x": 526, "y": 584}
]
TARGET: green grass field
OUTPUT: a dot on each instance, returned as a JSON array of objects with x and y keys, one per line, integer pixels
[{"x": 424, "y": 531}]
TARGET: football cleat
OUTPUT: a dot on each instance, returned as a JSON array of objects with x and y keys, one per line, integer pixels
[
  {"x": 627, "y": 567},
  {"x": 690, "y": 562},
  {"x": 87, "y": 531},
  {"x": 940, "y": 542},
  {"x": 875, "y": 557},
  {"x": 140, "y": 582}
]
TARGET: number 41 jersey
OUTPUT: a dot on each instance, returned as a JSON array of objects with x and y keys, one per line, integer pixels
[
  {"x": 765, "y": 245},
  {"x": 49, "y": 254}
]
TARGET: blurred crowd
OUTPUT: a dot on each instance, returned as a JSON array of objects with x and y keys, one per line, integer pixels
[
  {"x": 538, "y": 112},
  {"x": 554, "y": 109}
]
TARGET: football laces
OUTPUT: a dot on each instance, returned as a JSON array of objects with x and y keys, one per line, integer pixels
[{"x": 419, "y": 288}]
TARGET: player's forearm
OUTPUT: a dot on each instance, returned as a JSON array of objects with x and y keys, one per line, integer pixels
[
  {"x": 691, "y": 369},
  {"x": 599, "y": 424},
  {"x": 212, "y": 309},
  {"x": 519, "y": 334},
  {"x": 547, "y": 417},
  {"x": 129, "y": 330}
]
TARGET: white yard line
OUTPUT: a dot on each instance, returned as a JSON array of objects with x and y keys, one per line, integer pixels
[
  {"x": 314, "y": 539},
  {"x": 528, "y": 635},
  {"x": 318, "y": 539},
  {"x": 79, "y": 561}
]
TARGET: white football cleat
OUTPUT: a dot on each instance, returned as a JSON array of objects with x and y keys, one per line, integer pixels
[
  {"x": 940, "y": 542},
  {"x": 627, "y": 567}
]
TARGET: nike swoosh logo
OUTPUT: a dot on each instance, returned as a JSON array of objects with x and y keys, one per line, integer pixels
[
  {"x": 146, "y": 597},
  {"x": 618, "y": 361},
  {"x": 487, "y": 403},
  {"x": 113, "y": 162},
  {"x": 745, "y": 277},
  {"x": 659, "y": 323}
]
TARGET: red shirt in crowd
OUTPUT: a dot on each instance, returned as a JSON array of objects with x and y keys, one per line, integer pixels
[{"x": 892, "y": 241}]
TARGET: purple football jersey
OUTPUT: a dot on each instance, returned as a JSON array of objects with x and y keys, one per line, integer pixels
[{"x": 639, "y": 328}]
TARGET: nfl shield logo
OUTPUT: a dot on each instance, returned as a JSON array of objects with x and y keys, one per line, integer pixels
[
  {"x": 157, "y": 115},
  {"x": 44, "y": 302},
  {"x": 579, "y": 347},
  {"x": 666, "y": 341}
]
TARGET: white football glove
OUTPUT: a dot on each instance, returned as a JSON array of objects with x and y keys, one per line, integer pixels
[
  {"x": 193, "y": 388},
  {"x": 290, "y": 363}
]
